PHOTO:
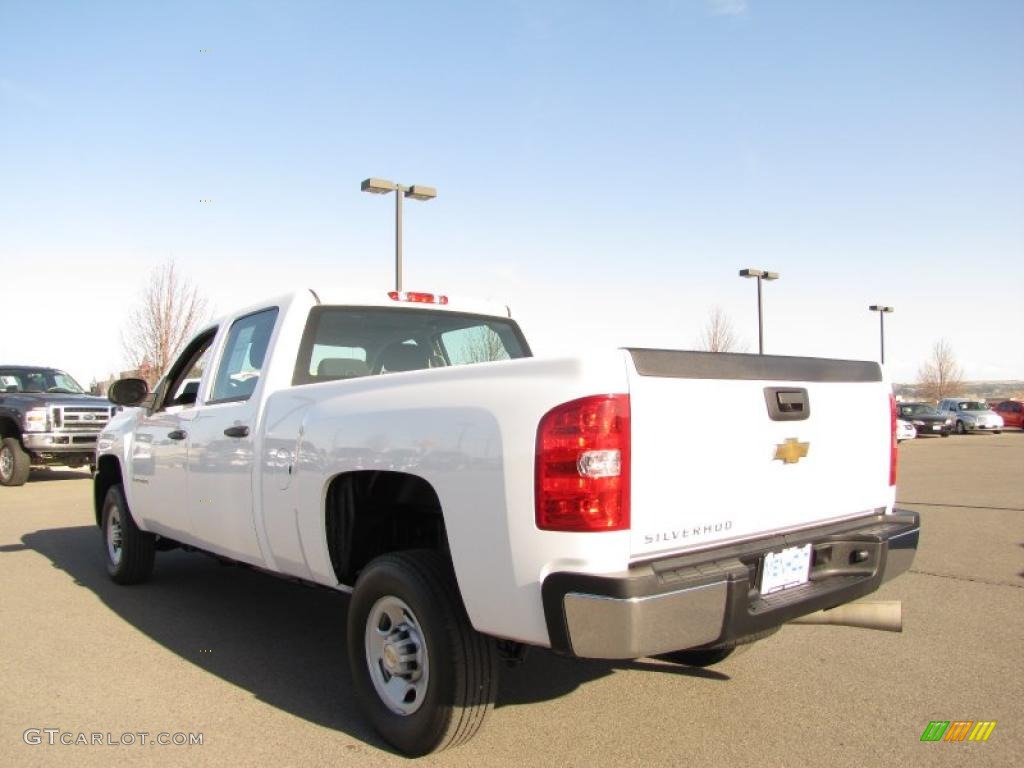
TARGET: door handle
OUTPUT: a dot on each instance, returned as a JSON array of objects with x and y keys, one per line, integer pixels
[
  {"x": 785, "y": 404},
  {"x": 178, "y": 434},
  {"x": 237, "y": 431}
]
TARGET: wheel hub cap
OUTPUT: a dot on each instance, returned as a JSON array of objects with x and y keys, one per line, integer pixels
[
  {"x": 6, "y": 463},
  {"x": 115, "y": 535},
  {"x": 396, "y": 655}
]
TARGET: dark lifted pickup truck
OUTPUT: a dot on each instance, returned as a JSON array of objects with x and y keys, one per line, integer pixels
[{"x": 46, "y": 418}]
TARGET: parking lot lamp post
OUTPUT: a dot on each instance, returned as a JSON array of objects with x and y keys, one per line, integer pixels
[
  {"x": 760, "y": 274},
  {"x": 881, "y": 310},
  {"x": 416, "y": 192}
]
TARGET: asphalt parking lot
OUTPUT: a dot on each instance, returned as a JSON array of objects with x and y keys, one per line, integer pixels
[{"x": 257, "y": 665}]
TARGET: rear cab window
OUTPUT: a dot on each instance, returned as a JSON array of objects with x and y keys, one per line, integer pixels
[{"x": 351, "y": 342}]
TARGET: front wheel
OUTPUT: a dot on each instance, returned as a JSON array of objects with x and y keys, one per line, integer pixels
[
  {"x": 422, "y": 675},
  {"x": 960, "y": 429},
  {"x": 15, "y": 463},
  {"x": 129, "y": 550}
]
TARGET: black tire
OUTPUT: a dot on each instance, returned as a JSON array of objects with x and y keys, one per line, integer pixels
[
  {"x": 129, "y": 551},
  {"x": 960, "y": 429},
  {"x": 457, "y": 667},
  {"x": 704, "y": 657},
  {"x": 996, "y": 431},
  {"x": 15, "y": 463}
]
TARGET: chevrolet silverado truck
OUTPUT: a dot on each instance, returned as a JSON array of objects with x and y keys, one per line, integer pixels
[
  {"x": 46, "y": 419},
  {"x": 476, "y": 501}
]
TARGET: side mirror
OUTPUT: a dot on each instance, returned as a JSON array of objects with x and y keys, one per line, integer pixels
[{"x": 128, "y": 392}]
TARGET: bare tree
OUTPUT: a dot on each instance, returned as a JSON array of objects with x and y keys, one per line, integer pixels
[
  {"x": 718, "y": 334},
  {"x": 169, "y": 311},
  {"x": 483, "y": 345},
  {"x": 940, "y": 375}
]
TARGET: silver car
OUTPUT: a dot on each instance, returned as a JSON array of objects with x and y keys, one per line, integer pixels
[{"x": 971, "y": 415}]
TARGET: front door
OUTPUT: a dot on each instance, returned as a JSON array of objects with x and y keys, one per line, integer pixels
[{"x": 158, "y": 457}]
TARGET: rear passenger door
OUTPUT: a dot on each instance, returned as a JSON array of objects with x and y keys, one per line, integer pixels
[{"x": 221, "y": 442}]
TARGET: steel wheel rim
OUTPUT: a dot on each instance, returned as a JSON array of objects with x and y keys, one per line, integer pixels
[
  {"x": 396, "y": 655},
  {"x": 115, "y": 535},
  {"x": 6, "y": 463}
]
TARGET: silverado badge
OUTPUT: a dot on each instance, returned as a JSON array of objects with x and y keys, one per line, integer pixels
[{"x": 791, "y": 451}]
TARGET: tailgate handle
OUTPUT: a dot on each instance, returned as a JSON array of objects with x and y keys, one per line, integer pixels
[{"x": 787, "y": 403}]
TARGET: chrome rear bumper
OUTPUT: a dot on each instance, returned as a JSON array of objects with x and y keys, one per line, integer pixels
[{"x": 712, "y": 597}]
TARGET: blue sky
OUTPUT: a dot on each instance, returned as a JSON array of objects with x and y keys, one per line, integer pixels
[{"x": 605, "y": 168}]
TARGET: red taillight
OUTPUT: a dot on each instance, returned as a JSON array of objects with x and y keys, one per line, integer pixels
[
  {"x": 417, "y": 297},
  {"x": 893, "y": 454},
  {"x": 582, "y": 469}
]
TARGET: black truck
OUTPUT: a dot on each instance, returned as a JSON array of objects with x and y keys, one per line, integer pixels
[{"x": 46, "y": 418}]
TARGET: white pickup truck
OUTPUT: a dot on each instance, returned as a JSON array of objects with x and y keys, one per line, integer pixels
[{"x": 476, "y": 500}]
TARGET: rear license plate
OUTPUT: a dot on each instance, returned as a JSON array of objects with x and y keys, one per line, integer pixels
[
  {"x": 937, "y": 427},
  {"x": 788, "y": 568}
]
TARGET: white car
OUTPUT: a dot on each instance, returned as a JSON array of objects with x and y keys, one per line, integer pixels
[
  {"x": 971, "y": 415},
  {"x": 905, "y": 431},
  {"x": 407, "y": 448}
]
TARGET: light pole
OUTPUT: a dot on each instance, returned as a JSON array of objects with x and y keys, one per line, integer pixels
[
  {"x": 760, "y": 274},
  {"x": 416, "y": 192},
  {"x": 881, "y": 310}
]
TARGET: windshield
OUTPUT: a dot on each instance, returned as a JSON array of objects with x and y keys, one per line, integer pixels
[
  {"x": 918, "y": 409},
  {"x": 350, "y": 342},
  {"x": 38, "y": 380},
  {"x": 971, "y": 405}
]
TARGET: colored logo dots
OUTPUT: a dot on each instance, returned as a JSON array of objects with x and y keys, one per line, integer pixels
[{"x": 206, "y": 201}]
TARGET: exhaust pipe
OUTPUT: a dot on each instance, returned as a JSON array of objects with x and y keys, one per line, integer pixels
[{"x": 886, "y": 615}]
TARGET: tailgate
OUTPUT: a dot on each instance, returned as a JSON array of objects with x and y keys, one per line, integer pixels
[{"x": 713, "y": 460}]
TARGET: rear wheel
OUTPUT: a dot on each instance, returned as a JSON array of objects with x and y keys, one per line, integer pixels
[
  {"x": 15, "y": 463},
  {"x": 960, "y": 429},
  {"x": 422, "y": 675},
  {"x": 129, "y": 550}
]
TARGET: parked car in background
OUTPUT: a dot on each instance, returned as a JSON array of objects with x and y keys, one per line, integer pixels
[
  {"x": 904, "y": 431},
  {"x": 971, "y": 415},
  {"x": 925, "y": 418},
  {"x": 1012, "y": 413},
  {"x": 46, "y": 418}
]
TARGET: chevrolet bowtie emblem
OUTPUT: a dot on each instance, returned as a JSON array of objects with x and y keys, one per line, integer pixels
[{"x": 791, "y": 451}]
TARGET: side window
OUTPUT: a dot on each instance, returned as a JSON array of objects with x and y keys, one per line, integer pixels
[
  {"x": 183, "y": 377},
  {"x": 243, "y": 357},
  {"x": 186, "y": 390}
]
